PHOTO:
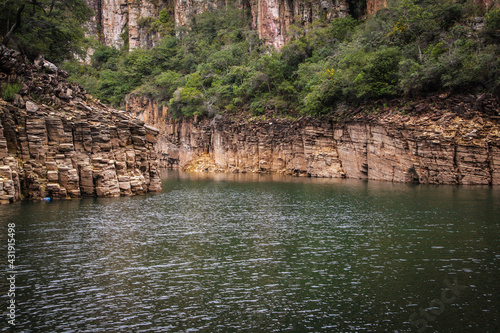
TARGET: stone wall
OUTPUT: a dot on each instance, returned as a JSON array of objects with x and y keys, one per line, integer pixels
[
  {"x": 58, "y": 142},
  {"x": 446, "y": 140}
]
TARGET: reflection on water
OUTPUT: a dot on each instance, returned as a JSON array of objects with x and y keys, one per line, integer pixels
[{"x": 261, "y": 253}]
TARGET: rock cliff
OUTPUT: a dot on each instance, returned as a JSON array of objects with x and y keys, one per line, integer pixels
[
  {"x": 272, "y": 18},
  {"x": 122, "y": 21},
  {"x": 58, "y": 142},
  {"x": 446, "y": 140},
  {"x": 119, "y": 22}
]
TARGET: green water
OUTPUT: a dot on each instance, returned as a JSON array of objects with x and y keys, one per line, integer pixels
[{"x": 248, "y": 253}]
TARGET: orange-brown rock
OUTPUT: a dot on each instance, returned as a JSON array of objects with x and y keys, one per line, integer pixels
[
  {"x": 68, "y": 145},
  {"x": 450, "y": 143},
  {"x": 272, "y": 18},
  {"x": 372, "y": 6},
  {"x": 117, "y": 22}
]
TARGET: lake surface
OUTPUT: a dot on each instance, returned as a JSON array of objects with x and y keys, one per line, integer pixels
[{"x": 250, "y": 253}]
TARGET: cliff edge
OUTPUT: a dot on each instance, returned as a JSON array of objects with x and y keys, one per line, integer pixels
[{"x": 58, "y": 142}]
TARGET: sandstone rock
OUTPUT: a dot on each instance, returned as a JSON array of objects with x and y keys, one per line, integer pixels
[
  {"x": 413, "y": 149},
  {"x": 271, "y": 19},
  {"x": 68, "y": 149},
  {"x": 372, "y": 6},
  {"x": 52, "y": 176},
  {"x": 31, "y": 107}
]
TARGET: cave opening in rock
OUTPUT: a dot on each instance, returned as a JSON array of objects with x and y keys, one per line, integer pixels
[{"x": 357, "y": 8}]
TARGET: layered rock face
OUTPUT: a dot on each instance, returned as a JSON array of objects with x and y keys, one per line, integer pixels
[
  {"x": 372, "y": 6},
  {"x": 270, "y": 18},
  {"x": 56, "y": 141},
  {"x": 184, "y": 10},
  {"x": 448, "y": 143}
]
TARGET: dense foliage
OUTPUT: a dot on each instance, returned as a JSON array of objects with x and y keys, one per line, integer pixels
[
  {"x": 49, "y": 27},
  {"x": 410, "y": 49}
]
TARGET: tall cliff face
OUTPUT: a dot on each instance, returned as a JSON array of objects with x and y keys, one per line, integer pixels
[
  {"x": 449, "y": 143},
  {"x": 185, "y": 9},
  {"x": 117, "y": 22},
  {"x": 58, "y": 142},
  {"x": 126, "y": 21},
  {"x": 119, "y": 19},
  {"x": 272, "y": 18},
  {"x": 372, "y": 6}
]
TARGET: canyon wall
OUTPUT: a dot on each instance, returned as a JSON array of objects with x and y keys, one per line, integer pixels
[
  {"x": 120, "y": 22},
  {"x": 272, "y": 18},
  {"x": 446, "y": 140},
  {"x": 123, "y": 21},
  {"x": 58, "y": 142}
]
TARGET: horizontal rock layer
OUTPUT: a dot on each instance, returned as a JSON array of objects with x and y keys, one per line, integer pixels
[
  {"x": 455, "y": 145},
  {"x": 57, "y": 142}
]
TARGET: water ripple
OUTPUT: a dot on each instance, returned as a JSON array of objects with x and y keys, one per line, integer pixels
[{"x": 258, "y": 255}]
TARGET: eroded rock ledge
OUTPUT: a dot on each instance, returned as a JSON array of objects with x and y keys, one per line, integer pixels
[
  {"x": 58, "y": 142},
  {"x": 443, "y": 140}
]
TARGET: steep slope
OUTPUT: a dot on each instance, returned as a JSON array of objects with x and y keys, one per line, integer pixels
[{"x": 58, "y": 142}]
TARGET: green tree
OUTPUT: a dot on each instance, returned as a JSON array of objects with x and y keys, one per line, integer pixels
[
  {"x": 49, "y": 27},
  {"x": 380, "y": 76}
]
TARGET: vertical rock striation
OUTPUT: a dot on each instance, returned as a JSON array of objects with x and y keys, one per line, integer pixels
[
  {"x": 449, "y": 143},
  {"x": 272, "y": 18},
  {"x": 56, "y": 141},
  {"x": 123, "y": 21},
  {"x": 120, "y": 22},
  {"x": 372, "y": 6}
]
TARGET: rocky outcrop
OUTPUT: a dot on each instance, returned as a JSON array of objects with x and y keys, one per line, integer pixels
[
  {"x": 486, "y": 4},
  {"x": 446, "y": 140},
  {"x": 184, "y": 10},
  {"x": 58, "y": 142},
  {"x": 271, "y": 19}
]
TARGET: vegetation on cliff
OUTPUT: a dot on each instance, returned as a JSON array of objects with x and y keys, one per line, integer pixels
[
  {"x": 410, "y": 49},
  {"x": 49, "y": 27}
]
